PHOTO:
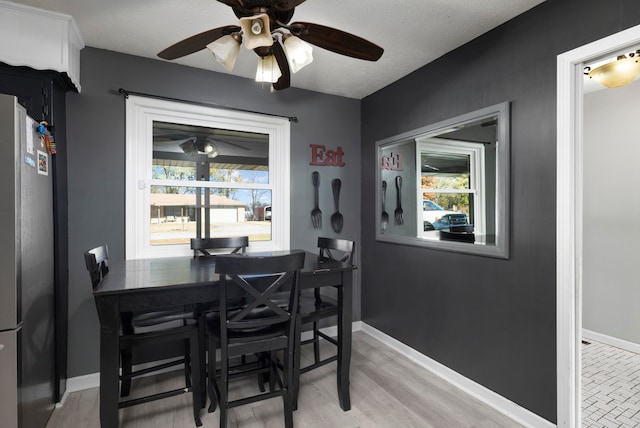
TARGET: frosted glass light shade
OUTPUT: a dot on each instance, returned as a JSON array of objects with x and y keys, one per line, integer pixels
[
  {"x": 256, "y": 31},
  {"x": 225, "y": 50},
  {"x": 211, "y": 150},
  {"x": 617, "y": 73},
  {"x": 299, "y": 53},
  {"x": 268, "y": 70}
]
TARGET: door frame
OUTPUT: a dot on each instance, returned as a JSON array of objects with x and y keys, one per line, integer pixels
[{"x": 569, "y": 211}]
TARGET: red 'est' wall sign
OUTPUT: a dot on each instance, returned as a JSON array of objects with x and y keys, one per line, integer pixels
[{"x": 321, "y": 156}]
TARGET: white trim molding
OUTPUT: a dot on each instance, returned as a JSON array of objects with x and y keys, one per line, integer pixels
[
  {"x": 141, "y": 113},
  {"x": 611, "y": 341},
  {"x": 40, "y": 39},
  {"x": 569, "y": 215},
  {"x": 490, "y": 398}
]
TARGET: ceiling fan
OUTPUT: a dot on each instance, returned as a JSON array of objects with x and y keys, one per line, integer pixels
[
  {"x": 194, "y": 145},
  {"x": 264, "y": 25}
]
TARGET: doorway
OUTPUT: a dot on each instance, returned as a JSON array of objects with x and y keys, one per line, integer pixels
[{"x": 570, "y": 204}]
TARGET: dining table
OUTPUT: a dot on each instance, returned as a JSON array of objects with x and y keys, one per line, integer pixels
[{"x": 149, "y": 284}]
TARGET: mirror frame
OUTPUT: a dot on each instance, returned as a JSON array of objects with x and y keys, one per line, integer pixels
[{"x": 503, "y": 176}]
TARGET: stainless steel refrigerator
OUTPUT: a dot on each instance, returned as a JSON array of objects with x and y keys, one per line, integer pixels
[{"x": 27, "y": 354}]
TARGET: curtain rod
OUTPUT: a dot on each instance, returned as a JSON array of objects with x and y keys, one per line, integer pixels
[{"x": 126, "y": 94}]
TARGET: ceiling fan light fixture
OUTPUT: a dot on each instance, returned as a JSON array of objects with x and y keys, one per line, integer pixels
[
  {"x": 226, "y": 50},
  {"x": 299, "y": 53},
  {"x": 211, "y": 150},
  {"x": 618, "y": 73},
  {"x": 256, "y": 30},
  {"x": 268, "y": 70}
]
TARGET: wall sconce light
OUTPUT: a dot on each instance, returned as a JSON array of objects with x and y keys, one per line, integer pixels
[{"x": 620, "y": 72}]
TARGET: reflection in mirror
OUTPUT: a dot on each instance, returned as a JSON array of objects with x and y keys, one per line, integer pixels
[
  {"x": 232, "y": 163},
  {"x": 454, "y": 177}
]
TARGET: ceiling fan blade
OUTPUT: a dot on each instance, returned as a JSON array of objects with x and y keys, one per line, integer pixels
[
  {"x": 285, "y": 80},
  {"x": 337, "y": 41},
  {"x": 286, "y": 4},
  {"x": 196, "y": 43},
  {"x": 216, "y": 140}
]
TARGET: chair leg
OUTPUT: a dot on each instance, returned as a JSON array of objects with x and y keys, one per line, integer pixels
[
  {"x": 288, "y": 384},
  {"x": 126, "y": 355},
  {"x": 262, "y": 377},
  {"x": 194, "y": 345},
  {"x": 214, "y": 392},
  {"x": 316, "y": 342},
  {"x": 223, "y": 387},
  {"x": 294, "y": 382},
  {"x": 272, "y": 359},
  {"x": 187, "y": 361},
  {"x": 202, "y": 349}
]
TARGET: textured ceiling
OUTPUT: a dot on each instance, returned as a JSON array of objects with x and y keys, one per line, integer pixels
[{"x": 412, "y": 32}]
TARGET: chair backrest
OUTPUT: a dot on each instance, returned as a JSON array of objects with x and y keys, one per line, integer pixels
[
  {"x": 238, "y": 244},
  {"x": 97, "y": 262},
  {"x": 337, "y": 249},
  {"x": 261, "y": 279}
]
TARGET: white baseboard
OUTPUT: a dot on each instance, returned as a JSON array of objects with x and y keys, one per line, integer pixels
[
  {"x": 612, "y": 341},
  {"x": 80, "y": 383},
  {"x": 496, "y": 401}
]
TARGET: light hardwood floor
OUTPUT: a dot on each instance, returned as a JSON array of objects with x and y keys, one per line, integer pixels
[{"x": 387, "y": 390}]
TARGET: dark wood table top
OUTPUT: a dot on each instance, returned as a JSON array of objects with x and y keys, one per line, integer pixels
[{"x": 140, "y": 275}]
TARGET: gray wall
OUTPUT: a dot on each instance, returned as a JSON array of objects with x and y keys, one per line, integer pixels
[
  {"x": 491, "y": 320},
  {"x": 610, "y": 285},
  {"x": 96, "y": 163}
]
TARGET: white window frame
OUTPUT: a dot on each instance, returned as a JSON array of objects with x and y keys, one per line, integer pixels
[
  {"x": 141, "y": 112},
  {"x": 477, "y": 177}
]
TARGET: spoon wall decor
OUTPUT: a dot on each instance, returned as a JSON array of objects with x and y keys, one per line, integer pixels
[{"x": 336, "y": 219}]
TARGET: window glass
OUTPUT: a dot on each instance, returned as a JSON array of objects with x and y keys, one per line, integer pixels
[
  {"x": 450, "y": 180},
  {"x": 176, "y": 217}
]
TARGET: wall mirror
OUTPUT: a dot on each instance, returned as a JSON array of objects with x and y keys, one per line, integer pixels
[{"x": 446, "y": 185}]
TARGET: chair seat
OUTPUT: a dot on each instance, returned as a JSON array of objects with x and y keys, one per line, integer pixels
[
  {"x": 257, "y": 333},
  {"x": 311, "y": 310}
]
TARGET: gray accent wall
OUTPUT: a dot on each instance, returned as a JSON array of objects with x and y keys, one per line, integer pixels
[
  {"x": 610, "y": 286},
  {"x": 96, "y": 164},
  {"x": 491, "y": 320}
]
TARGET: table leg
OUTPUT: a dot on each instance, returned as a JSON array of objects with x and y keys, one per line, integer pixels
[
  {"x": 345, "y": 317},
  {"x": 109, "y": 312}
]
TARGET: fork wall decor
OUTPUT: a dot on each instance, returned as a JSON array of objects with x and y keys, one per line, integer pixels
[{"x": 316, "y": 213}]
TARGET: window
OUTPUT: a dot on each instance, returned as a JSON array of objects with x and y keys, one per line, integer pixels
[
  {"x": 451, "y": 185},
  {"x": 196, "y": 171}
]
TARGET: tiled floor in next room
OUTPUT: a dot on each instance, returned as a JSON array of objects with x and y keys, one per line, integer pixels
[{"x": 610, "y": 386}]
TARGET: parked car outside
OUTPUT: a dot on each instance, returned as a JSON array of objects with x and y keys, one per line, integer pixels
[{"x": 436, "y": 218}]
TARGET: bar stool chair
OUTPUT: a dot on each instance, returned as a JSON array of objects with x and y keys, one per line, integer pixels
[
  {"x": 212, "y": 247},
  {"x": 317, "y": 307},
  {"x": 262, "y": 326},
  {"x": 145, "y": 329}
]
